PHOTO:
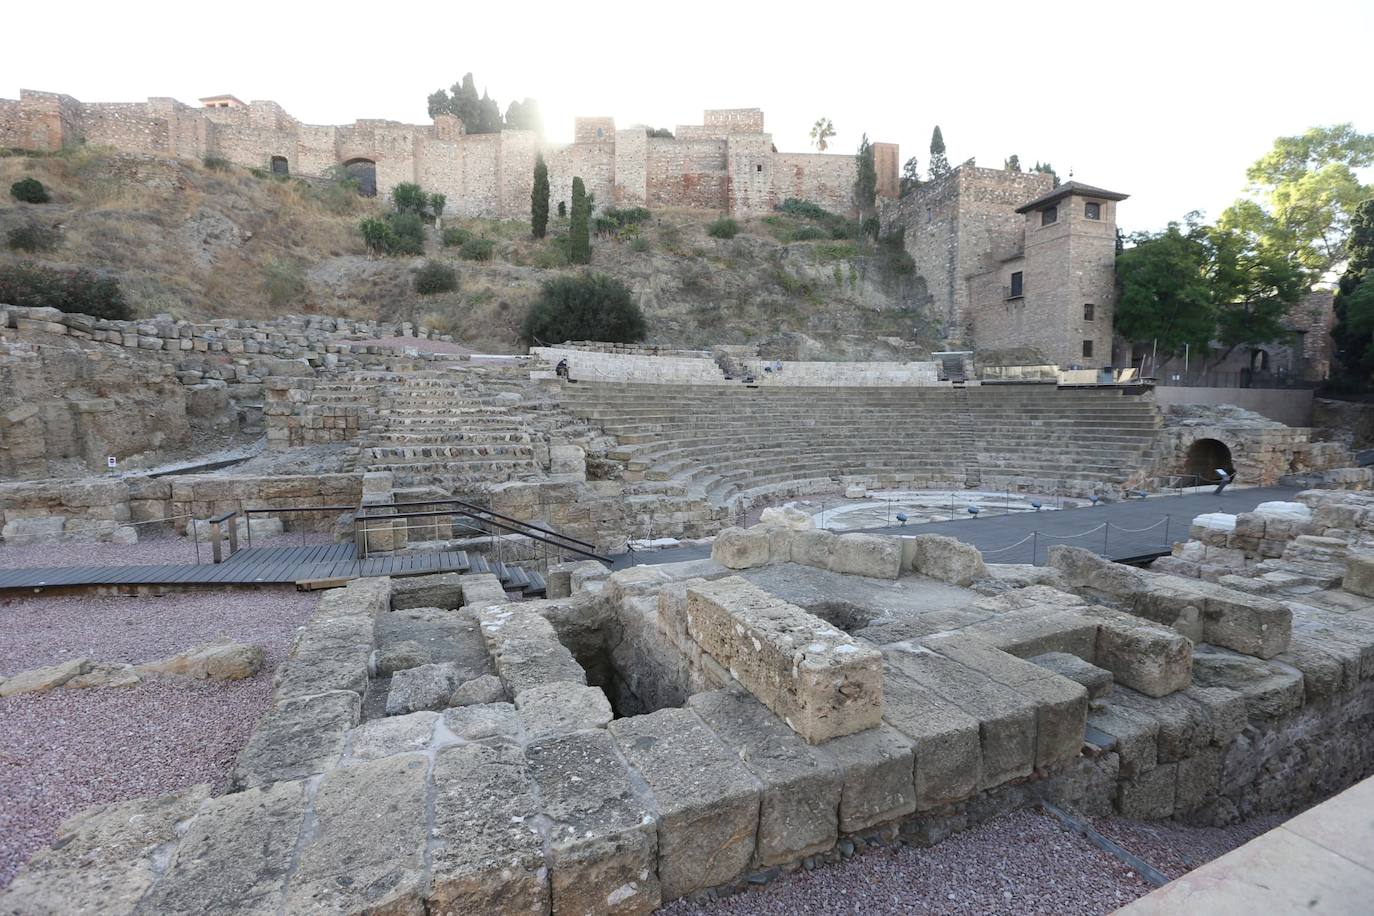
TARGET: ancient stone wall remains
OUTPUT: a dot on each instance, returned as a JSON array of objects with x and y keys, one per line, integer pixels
[
  {"x": 684, "y": 367},
  {"x": 727, "y": 163}
]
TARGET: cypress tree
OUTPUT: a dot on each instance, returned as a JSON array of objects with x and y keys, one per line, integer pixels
[
  {"x": 539, "y": 198},
  {"x": 939, "y": 164},
  {"x": 865, "y": 178},
  {"x": 579, "y": 232}
]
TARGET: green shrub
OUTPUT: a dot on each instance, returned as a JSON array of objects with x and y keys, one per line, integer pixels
[
  {"x": 604, "y": 225},
  {"x": 29, "y": 284},
  {"x": 627, "y": 216},
  {"x": 216, "y": 163},
  {"x": 723, "y": 228},
  {"x": 30, "y": 191},
  {"x": 894, "y": 256},
  {"x": 807, "y": 210},
  {"x": 586, "y": 307},
  {"x": 553, "y": 254},
  {"x": 407, "y": 196},
  {"x": 579, "y": 236},
  {"x": 33, "y": 238},
  {"x": 393, "y": 234},
  {"x": 562, "y": 209},
  {"x": 283, "y": 283},
  {"x": 455, "y": 237},
  {"x": 809, "y": 234},
  {"x": 870, "y": 227},
  {"x": 639, "y": 244},
  {"x": 435, "y": 277},
  {"x": 477, "y": 250},
  {"x": 437, "y": 202}
]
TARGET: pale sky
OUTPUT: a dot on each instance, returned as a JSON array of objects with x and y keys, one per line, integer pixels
[{"x": 1166, "y": 101}]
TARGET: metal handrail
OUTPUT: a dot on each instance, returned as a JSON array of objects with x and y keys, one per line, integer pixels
[
  {"x": 476, "y": 508},
  {"x": 361, "y": 518}
]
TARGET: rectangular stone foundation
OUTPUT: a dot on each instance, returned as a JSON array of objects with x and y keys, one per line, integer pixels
[{"x": 817, "y": 679}]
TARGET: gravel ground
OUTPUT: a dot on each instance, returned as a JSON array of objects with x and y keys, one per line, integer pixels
[
  {"x": 1023, "y": 863},
  {"x": 1175, "y": 849},
  {"x": 68, "y": 749}
]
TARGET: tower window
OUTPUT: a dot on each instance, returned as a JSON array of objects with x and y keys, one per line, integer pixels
[
  {"x": 1087, "y": 349},
  {"x": 1049, "y": 215},
  {"x": 758, "y": 168},
  {"x": 1087, "y": 311},
  {"x": 1015, "y": 286},
  {"x": 1092, "y": 210}
]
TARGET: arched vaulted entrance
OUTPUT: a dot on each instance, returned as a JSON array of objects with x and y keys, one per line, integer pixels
[
  {"x": 1206, "y": 457},
  {"x": 364, "y": 172}
]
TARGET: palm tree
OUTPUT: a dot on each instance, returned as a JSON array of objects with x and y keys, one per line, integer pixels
[{"x": 821, "y": 132}]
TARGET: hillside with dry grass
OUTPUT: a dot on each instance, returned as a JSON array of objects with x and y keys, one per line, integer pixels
[{"x": 213, "y": 242}]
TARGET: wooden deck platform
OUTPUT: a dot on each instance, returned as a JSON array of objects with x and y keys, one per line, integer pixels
[{"x": 253, "y": 566}]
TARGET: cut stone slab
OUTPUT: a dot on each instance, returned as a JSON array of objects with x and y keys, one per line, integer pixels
[
  {"x": 526, "y": 649},
  {"x": 484, "y": 689},
  {"x": 872, "y": 555},
  {"x": 1136, "y": 736},
  {"x": 800, "y": 784},
  {"x": 482, "y": 590},
  {"x": 441, "y": 590},
  {"x": 561, "y": 709},
  {"x": 707, "y": 803},
  {"x": 487, "y": 854},
  {"x": 877, "y": 770},
  {"x": 1359, "y": 575},
  {"x": 447, "y": 636},
  {"x": 297, "y": 738},
  {"x": 1154, "y": 660},
  {"x": 741, "y": 548},
  {"x": 816, "y": 678},
  {"x": 603, "y": 839},
  {"x": 1095, "y": 680},
  {"x": 1270, "y": 689},
  {"x": 1151, "y": 795},
  {"x": 947, "y": 559},
  {"x": 330, "y": 653},
  {"x": 490, "y": 720},
  {"x": 41, "y": 680},
  {"x": 235, "y": 854},
  {"x": 948, "y": 750},
  {"x": 1007, "y": 721},
  {"x": 425, "y": 687},
  {"x": 399, "y": 656},
  {"x": 393, "y": 735},
  {"x": 366, "y": 851},
  {"x": 103, "y": 860}
]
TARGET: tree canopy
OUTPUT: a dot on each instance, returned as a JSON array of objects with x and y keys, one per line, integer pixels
[
  {"x": 911, "y": 176},
  {"x": 539, "y": 198},
  {"x": 939, "y": 163},
  {"x": 587, "y": 307},
  {"x": 1303, "y": 195},
  {"x": 821, "y": 132},
  {"x": 482, "y": 115},
  {"x": 1354, "y": 330},
  {"x": 865, "y": 178}
]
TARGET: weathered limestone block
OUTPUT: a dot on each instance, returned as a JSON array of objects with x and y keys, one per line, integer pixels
[
  {"x": 741, "y": 548},
  {"x": 103, "y": 860},
  {"x": 399, "y": 656},
  {"x": 392, "y": 735},
  {"x": 1270, "y": 689},
  {"x": 488, "y": 856},
  {"x": 1006, "y": 719},
  {"x": 41, "y": 680},
  {"x": 1359, "y": 575},
  {"x": 1155, "y": 660},
  {"x": 21, "y": 532},
  {"x": 786, "y": 517},
  {"x": 526, "y": 649},
  {"x": 556, "y": 709},
  {"x": 1135, "y": 734},
  {"x": 441, "y": 590},
  {"x": 367, "y": 849},
  {"x": 297, "y": 738},
  {"x": 877, "y": 770},
  {"x": 1185, "y": 726},
  {"x": 603, "y": 839},
  {"x": 800, "y": 786},
  {"x": 946, "y": 743},
  {"x": 1150, "y": 795},
  {"x": 235, "y": 854},
  {"x": 946, "y": 559},
  {"x": 562, "y": 578},
  {"x": 1199, "y": 779},
  {"x": 1095, "y": 680},
  {"x": 707, "y": 804},
  {"x": 484, "y": 689},
  {"x": 422, "y": 687},
  {"x": 872, "y": 555},
  {"x": 220, "y": 660},
  {"x": 817, "y": 679},
  {"x": 813, "y": 548},
  {"x": 482, "y": 590}
]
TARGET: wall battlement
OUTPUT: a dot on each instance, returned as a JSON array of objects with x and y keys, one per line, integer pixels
[{"x": 727, "y": 163}]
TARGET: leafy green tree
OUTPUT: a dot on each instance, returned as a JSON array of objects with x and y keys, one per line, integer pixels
[
  {"x": 25, "y": 283},
  {"x": 865, "y": 178},
  {"x": 939, "y": 163},
  {"x": 911, "y": 176},
  {"x": 437, "y": 202},
  {"x": 30, "y": 191},
  {"x": 821, "y": 132},
  {"x": 1045, "y": 168},
  {"x": 587, "y": 307},
  {"x": 579, "y": 231},
  {"x": 480, "y": 115},
  {"x": 1304, "y": 193},
  {"x": 524, "y": 116},
  {"x": 1354, "y": 330},
  {"x": 1164, "y": 297},
  {"x": 1254, "y": 288},
  {"x": 1012, "y": 163},
  {"x": 407, "y": 196},
  {"x": 539, "y": 198}
]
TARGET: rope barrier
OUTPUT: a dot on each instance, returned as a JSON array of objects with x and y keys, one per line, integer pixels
[
  {"x": 1138, "y": 530},
  {"x": 1070, "y": 537},
  {"x": 1009, "y": 546}
]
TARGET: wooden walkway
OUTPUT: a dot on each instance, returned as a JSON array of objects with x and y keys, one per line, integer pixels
[{"x": 253, "y": 566}]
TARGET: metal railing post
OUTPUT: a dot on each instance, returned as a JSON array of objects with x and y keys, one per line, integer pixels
[
  {"x": 233, "y": 535},
  {"x": 216, "y": 551},
  {"x": 1035, "y": 547},
  {"x": 1106, "y": 530},
  {"x": 1166, "y": 533}
]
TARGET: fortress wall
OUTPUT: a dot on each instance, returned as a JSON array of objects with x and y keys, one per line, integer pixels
[
  {"x": 749, "y": 159},
  {"x": 481, "y": 163},
  {"x": 439, "y": 169},
  {"x": 729, "y": 121},
  {"x": 631, "y": 167},
  {"x": 517, "y": 151},
  {"x": 126, "y": 126},
  {"x": 594, "y": 163},
  {"x": 317, "y": 150},
  {"x": 819, "y": 177},
  {"x": 686, "y": 173}
]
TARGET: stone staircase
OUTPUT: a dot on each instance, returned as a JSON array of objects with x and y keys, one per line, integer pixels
[{"x": 728, "y": 444}]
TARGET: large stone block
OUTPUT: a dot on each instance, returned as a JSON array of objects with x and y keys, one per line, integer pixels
[
  {"x": 1154, "y": 660},
  {"x": 366, "y": 852},
  {"x": 800, "y": 784},
  {"x": 946, "y": 559},
  {"x": 526, "y": 649},
  {"x": 560, "y": 709},
  {"x": 872, "y": 555},
  {"x": 741, "y": 548},
  {"x": 945, "y": 739},
  {"x": 441, "y": 590},
  {"x": 707, "y": 803},
  {"x": 297, "y": 738},
  {"x": 1359, "y": 575},
  {"x": 877, "y": 771},
  {"x": 603, "y": 839},
  {"x": 817, "y": 679}
]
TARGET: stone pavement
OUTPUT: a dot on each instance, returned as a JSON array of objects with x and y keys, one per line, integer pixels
[{"x": 1322, "y": 861}]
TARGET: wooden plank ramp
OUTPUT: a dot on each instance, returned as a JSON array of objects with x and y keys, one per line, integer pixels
[{"x": 308, "y": 565}]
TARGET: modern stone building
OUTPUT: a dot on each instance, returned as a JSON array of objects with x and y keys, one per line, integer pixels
[
  {"x": 726, "y": 163},
  {"x": 1010, "y": 260}
]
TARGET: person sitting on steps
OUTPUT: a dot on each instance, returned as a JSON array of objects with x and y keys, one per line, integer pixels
[{"x": 561, "y": 370}]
